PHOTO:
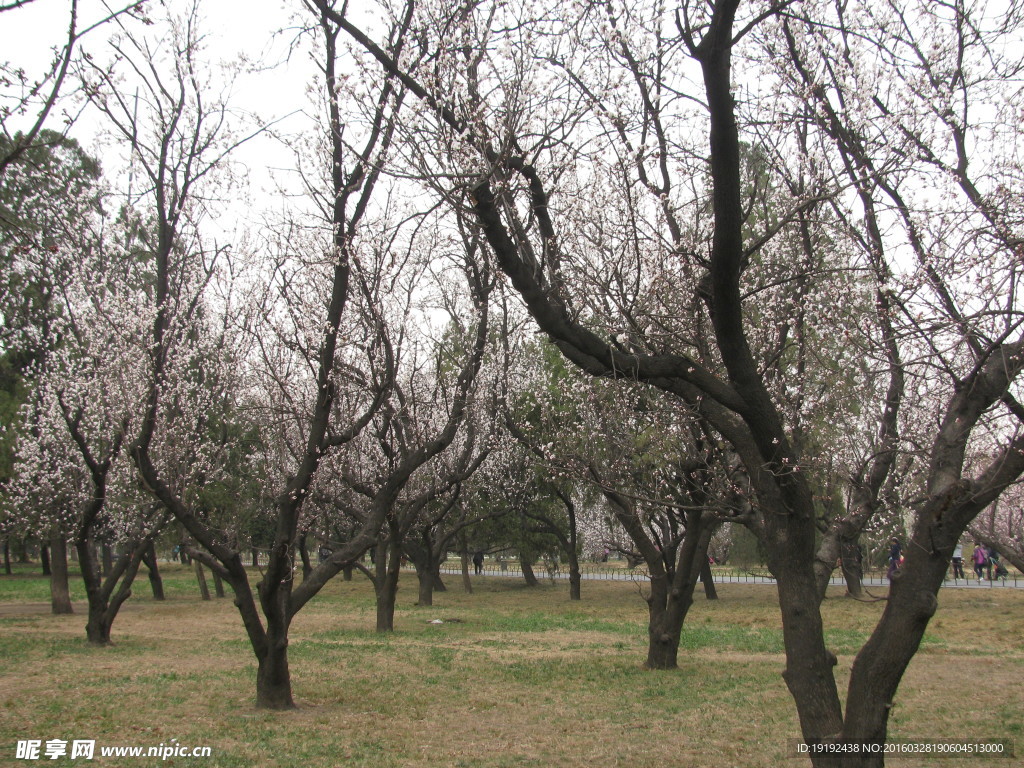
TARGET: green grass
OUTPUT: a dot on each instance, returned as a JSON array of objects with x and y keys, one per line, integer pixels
[{"x": 523, "y": 678}]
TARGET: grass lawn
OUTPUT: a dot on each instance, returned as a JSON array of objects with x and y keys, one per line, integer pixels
[{"x": 523, "y": 677}]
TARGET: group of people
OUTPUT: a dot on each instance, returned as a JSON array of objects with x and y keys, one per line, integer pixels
[{"x": 985, "y": 560}]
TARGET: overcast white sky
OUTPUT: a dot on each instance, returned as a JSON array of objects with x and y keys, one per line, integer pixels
[{"x": 235, "y": 29}]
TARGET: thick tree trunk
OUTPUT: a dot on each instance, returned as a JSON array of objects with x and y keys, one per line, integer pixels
[
  {"x": 97, "y": 628},
  {"x": 156, "y": 583},
  {"x": 106, "y": 596},
  {"x": 346, "y": 573},
  {"x": 60, "y": 590},
  {"x": 528, "y": 574},
  {"x": 388, "y": 566},
  {"x": 44, "y": 558},
  {"x": 881, "y": 663},
  {"x": 667, "y": 609},
  {"x": 426, "y": 584},
  {"x": 809, "y": 665},
  {"x": 853, "y": 568},
  {"x": 273, "y": 676}
]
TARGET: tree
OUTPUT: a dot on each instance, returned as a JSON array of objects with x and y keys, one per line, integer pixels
[
  {"x": 34, "y": 100},
  {"x": 654, "y": 85}
]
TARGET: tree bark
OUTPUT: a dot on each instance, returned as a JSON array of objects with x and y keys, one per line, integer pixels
[
  {"x": 707, "y": 578},
  {"x": 204, "y": 589},
  {"x": 426, "y": 588},
  {"x": 60, "y": 590},
  {"x": 528, "y": 574},
  {"x": 853, "y": 568},
  {"x": 218, "y": 584},
  {"x": 467, "y": 582},
  {"x": 273, "y": 676},
  {"x": 44, "y": 558},
  {"x": 108, "y": 558},
  {"x": 307, "y": 567},
  {"x": 155, "y": 581},
  {"x": 388, "y": 562}
]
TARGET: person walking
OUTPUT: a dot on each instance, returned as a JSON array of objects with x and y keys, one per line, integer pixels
[
  {"x": 980, "y": 560},
  {"x": 958, "y": 562},
  {"x": 895, "y": 557}
]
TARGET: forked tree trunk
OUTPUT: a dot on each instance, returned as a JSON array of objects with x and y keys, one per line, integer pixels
[
  {"x": 60, "y": 590},
  {"x": 388, "y": 567},
  {"x": 672, "y": 594},
  {"x": 106, "y": 596}
]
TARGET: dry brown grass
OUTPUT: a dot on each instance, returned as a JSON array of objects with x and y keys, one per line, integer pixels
[{"x": 526, "y": 678}]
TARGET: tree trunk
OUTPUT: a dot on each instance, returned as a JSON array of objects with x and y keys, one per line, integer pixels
[
  {"x": 204, "y": 589},
  {"x": 156, "y": 583},
  {"x": 108, "y": 558},
  {"x": 528, "y": 574},
  {"x": 853, "y": 568},
  {"x": 575, "y": 579},
  {"x": 881, "y": 663},
  {"x": 106, "y": 596},
  {"x": 307, "y": 567},
  {"x": 346, "y": 573},
  {"x": 218, "y": 584},
  {"x": 60, "y": 590},
  {"x": 273, "y": 677},
  {"x": 666, "y": 611},
  {"x": 386, "y": 585},
  {"x": 467, "y": 582},
  {"x": 7, "y": 556},
  {"x": 97, "y": 628},
  {"x": 708, "y": 579},
  {"x": 44, "y": 558},
  {"x": 809, "y": 664},
  {"x": 426, "y": 593}
]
